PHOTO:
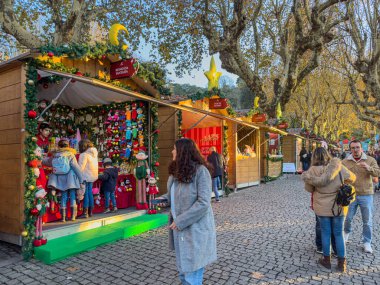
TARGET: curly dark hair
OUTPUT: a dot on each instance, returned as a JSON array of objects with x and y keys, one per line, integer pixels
[
  {"x": 85, "y": 145},
  {"x": 187, "y": 160}
]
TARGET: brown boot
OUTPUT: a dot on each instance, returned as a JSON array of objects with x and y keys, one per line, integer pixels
[
  {"x": 325, "y": 261},
  {"x": 342, "y": 265}
]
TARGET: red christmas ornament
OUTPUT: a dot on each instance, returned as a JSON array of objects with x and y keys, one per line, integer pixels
[
  {"x": 157, "y": 164},
  {"x": 104, "y": 56},
  {"x": 45, "y": 85},
  {"x": 34, "y": 212},
  {"x": 37, "y": 242},
  {"x": 50, "y": 54},
  {"x": 32, "y": 114}
]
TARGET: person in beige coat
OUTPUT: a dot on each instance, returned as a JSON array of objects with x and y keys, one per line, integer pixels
[
  {"x": 365, "y": 168},
  {"x": 323, "y": 180}
]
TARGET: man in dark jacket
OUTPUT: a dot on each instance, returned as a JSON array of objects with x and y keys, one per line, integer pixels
[
  {"x": 109, "y": 180},
  {"x": 216, "y": 161},
  {"x": 304, "y": 159}
]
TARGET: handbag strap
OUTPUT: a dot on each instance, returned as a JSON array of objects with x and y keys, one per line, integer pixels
[{"x": 341, "y": 177}]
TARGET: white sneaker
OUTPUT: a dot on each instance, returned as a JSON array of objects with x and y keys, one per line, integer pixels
[
  {"x": 367, "y": 247},
  {"x": 345, "y": 236}
]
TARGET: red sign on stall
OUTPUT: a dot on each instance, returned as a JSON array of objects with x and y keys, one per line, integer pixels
[
  {"x": 206, "y": 138},
  {"x": 124, "y": 68},
  {"x": 218, "y": 103}
]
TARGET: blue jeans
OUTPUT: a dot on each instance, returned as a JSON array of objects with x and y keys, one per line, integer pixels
[
  {"x": 305, "y": 165},
  {"x": 192, "y": 278},
  {"x": 318, "y": 236},
  {"x": 88, "y": 200},
  {"x": 72, "y": 193},
  {"x": 365, "y": 203},
  {"x": 334, "y": 224},
  {"x": 215, "y": 182},
  {"x": 107, "y": 195}
]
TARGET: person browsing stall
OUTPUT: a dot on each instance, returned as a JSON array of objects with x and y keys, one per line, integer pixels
[
  {"x": 323, "y": 180},
  {"x": 66, "y": 176},
  {"x": 88, "y": 163},
  {"x": 109, "y": 181}
]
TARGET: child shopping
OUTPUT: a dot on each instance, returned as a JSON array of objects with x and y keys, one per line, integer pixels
[{"x": 109, "y": 179}]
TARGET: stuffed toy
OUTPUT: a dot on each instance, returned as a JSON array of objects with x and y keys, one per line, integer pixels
[
  {"x": 128, "y": 114},
  {"x": 152, "y": 190},
  {"x": 40, "y": 209},
  {"x": 141, "y": 172},
  {"x": 134, "y": 112}
]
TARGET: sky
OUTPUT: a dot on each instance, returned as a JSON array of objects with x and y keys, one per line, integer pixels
[{"x": 197, "y": 77}]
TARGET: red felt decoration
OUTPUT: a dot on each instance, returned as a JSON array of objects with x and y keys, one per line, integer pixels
[
  {"x": 33, "y": 163},
  {"x": 50, "y": 54},
  {"x": 32, "y": 114}
]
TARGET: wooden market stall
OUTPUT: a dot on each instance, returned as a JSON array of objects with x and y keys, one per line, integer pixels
[{"x": 60, "y": 82}]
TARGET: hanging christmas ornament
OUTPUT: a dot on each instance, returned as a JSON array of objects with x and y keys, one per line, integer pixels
[
  {"x": 34, "y": 139},
  {"x": 32, "y": 114},
  {"x": 31, "y": 187},
  {"x": 157, "y": 164},
  {"x": 34, "y": 212},
  {"x": 30, "y": 82},
  {"x": 50, "y": 54},
  {"x": 24, "y": 233}
]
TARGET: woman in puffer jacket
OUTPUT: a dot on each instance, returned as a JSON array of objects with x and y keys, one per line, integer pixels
[
  {"x": 88, "y": 163},
  {"x": 323, "y": 180}
]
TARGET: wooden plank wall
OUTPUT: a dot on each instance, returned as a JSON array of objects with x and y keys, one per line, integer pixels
[
  {"x": 166, "y": 139},
  {"x": 247, "y": 170},
  {"x": 11, "y": 149},
  {"x": 289, "y": 149}
]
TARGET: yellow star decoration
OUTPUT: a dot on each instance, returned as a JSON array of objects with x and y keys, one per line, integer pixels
[{"x": 213, "y": 75}]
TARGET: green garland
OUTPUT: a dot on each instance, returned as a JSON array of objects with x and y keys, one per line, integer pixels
[
  {"x": 274, "y": 159},
  {"x": 227, "y": 189},
  {"x": 81, "y": 51},
  {"x": 31, "y": 125},
  {"x": 155, "y": 156},
  {"x": 179, "y": 122},
  {"x": 148, "y": 71}
]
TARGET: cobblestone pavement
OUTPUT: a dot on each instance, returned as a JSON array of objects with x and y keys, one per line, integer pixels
[{"x": 265, "y": 236}]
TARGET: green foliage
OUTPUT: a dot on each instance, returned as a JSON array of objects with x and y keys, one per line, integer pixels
[{"x": 30, "y": 145}]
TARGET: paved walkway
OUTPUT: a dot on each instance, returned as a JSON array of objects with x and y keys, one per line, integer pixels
[{"x": 265, "y": 236}]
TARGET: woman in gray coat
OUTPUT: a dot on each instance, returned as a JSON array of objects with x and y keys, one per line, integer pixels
[{"x": 191, "y": 224}]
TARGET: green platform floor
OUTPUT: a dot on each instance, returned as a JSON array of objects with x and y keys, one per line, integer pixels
[{"x": 63, "y": 247}]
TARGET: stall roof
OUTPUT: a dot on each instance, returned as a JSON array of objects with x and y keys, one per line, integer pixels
[{"x": 97, "y": 92}]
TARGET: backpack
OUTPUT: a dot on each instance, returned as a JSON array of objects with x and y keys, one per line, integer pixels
[
  {"x": 344, "y": 197},
  {"x": 61, "y": 165}
]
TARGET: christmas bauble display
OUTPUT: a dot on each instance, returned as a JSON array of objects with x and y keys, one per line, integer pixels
[{"x": 24, "y": 233}]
